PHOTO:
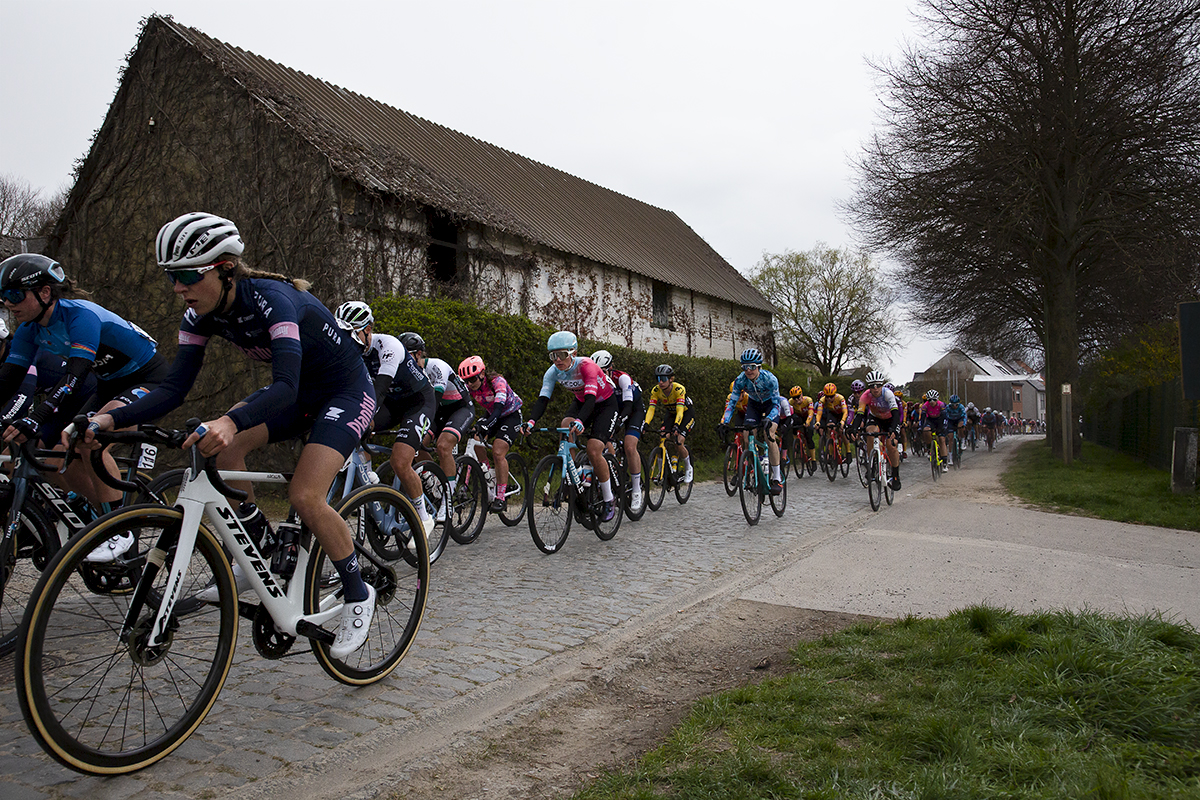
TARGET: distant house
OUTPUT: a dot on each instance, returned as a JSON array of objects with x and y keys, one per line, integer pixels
[
  {"x": 986, "y": 381},
  {"x": 365, "y": 200}
]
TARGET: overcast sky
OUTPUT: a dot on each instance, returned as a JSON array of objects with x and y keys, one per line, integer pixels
[{"x": 741, "y": 118}]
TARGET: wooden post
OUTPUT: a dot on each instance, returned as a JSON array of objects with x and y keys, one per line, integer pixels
[{"x": 1067, "y": 427}]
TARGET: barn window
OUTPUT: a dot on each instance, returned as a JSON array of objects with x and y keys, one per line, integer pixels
[
  {"x": 662, "y": 305},
  {"x": 443, "y": 247}
]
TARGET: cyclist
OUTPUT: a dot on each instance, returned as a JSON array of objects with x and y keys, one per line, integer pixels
[
  {"x": 739, "y": 412},
  {"x": 903, "y": 437},
  {"x": 990, "y": 420},
  {"x": 956, "y": 416},
  {"x": 878, "y": 407},
  {"x": 803, "y": 412},
  {"x": 832, "y": 410},
  {"x": 319, "y": 384},
  {"x": 455, "y": 411},
  {"x": 762, "y": 407},
  {"x": 503, "y": 406},
  {"x": 632, "y": 417},
  {"x": 670, "y": 393},
  {"x": 55, "y": 323},
  {"x": 405, "y": 401},
  {"x": 973, "y": 415},
  {"x": 933, "y": 419},
  {"x": 594, "y": 408}
]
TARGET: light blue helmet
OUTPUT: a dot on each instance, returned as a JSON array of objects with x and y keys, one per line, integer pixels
[
  {"x": 562, "y": 340},
  {"x": 953, "y": 398},
  {"x": 751, "y": 355}
]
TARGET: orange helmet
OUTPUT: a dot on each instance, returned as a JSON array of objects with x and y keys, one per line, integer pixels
[
  {"x": 830, "y": 389},
  {"x": 796, "y": 391}
]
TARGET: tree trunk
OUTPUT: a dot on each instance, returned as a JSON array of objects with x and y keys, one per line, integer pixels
[{"x": 1062, "y": 353}]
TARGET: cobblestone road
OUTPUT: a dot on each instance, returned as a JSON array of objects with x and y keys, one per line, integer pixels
[{"x": 497, "y": 608}]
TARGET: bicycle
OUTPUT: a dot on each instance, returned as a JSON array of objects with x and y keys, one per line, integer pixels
[
  {"x": 515, "y": 499},
  {"x": 957, "y": 450},
  {"x": 114, "y": 683},
  {"x": 663, "y": 475},
  {"x": 39, "y": 518},
  {"x": 466, "y": 508},
  {"x": 387, "y": 532},
  {"x": 878, "y": 483},
  {"x": 755, "y": 479},
  {"x": 804, "y": 464},
  {"x": 830, "y": 453},
  {"x": 618, "y": 457},
  {"x": 936, "y": 457},
  {"x": 563, "y": 491},
  {"x": 733, "y": 460}
]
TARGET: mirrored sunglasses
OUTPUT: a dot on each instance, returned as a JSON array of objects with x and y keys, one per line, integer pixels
[
  {"x": 750, "y": 367},
  {"x": 559, "y": 355},
  {"x": 190, "y": 276},
  {"x": 13, "y": 296}
]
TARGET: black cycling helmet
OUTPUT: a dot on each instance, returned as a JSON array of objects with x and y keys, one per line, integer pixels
[
  {"x": 412, "y": 342},
  {"x": 26, "y": 271},
  {"x": 664, "y": 371}
]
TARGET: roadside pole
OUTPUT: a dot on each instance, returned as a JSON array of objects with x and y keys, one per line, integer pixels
[{"x": 1068, "y": 444}]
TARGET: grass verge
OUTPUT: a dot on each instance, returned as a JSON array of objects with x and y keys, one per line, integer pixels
[
  {"x": 1101, "y": 483},
  {"x": 982, "y": 704}
]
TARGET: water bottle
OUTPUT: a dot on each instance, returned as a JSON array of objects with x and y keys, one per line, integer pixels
[
  {"x": 765, "y": 463},
  {"x": 674, "y": 463},
  {"x": 283, "y": 563},
  {"x": 254, "y": 521}
]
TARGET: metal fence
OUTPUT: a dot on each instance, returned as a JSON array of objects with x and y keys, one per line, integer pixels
[{"x": 1143, "y": 423}]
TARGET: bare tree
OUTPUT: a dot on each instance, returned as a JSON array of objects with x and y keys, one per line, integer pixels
[
  {"x": 833, "y": 306},
  {"x": 1037, "y": 172},
  {"x": 23, "y": 212}
]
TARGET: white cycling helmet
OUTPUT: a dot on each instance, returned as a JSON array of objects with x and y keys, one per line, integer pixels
[
  {"x": 933, "y": 394},
  {"x": 603, "y": 359},
  {"x": 196, "y": 239},
  {"x": 354, "y": 315}
]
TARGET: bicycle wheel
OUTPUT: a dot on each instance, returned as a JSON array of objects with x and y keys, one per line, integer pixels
[
  {"x": 516, "y": 499},
  {"x": 874, "y": 487},
  {"x": 682, "y": 490},
  {"x": 748, "y": 490},
  {"x": 799, "y": 458},
  {"x": 103, "y": 706},
  {"x": 607, "y": 530},
  {"x": 400, "y": 590},
  {"x": 889, "y": 494},
  {"x": 551, "y": 505},
  {"x": 935, "y": 460},
  {"x": 468, "y": 503},
  {"x": 830, "y": 463},
  {"x": 23, "y": 557},
  {"x": 657, "y": 489},
  {"x": 958, "y": 451},
  {"x": 844, "y": 460},
  {"x": 434, "y": 487},
  {"x": 779, "y": 501},
  {"x": 862, "y": 464},
  {"x": 731, "y": 470}
]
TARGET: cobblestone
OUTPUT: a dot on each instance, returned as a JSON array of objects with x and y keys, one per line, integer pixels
[{"x": 496, "y": 607}]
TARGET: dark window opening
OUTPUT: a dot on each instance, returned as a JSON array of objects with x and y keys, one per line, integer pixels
[
  {"x": 443, "y": 247},
  {"x": 662, "y": 305}
]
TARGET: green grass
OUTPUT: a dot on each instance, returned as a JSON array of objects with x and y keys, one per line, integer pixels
[
  {"x": 1101, "y": 483},
  {"x": 982, "y": 704}
]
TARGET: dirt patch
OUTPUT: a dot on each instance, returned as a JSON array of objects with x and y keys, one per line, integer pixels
[{"x": 616, "y": 715}]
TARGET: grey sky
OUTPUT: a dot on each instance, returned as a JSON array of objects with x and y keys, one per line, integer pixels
[{"x": 741, "y": 118}]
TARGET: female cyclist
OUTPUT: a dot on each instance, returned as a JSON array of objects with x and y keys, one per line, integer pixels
[
  {"x": 503, "y": 405},
  {"x": 319, "y": 384}
]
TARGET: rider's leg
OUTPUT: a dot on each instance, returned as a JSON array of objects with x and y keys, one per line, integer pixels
[{"x": 500, "y": 459}]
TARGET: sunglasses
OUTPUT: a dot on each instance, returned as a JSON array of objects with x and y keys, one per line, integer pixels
[
  {"x": 474, "y": 379},
  {"x": 559, "y": 355},
  {"x": 13, "y": 296},
  {"x": 750, "y": 367},
  {"x": 190, "y": 276}
]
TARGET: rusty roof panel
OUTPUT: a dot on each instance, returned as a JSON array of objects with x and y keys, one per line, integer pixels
[{"x": 395, "y": 152}]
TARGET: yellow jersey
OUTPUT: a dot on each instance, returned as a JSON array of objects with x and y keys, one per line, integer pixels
[
  {"x": 833, "y": 405},
  {"x": 676, "y": 397}
]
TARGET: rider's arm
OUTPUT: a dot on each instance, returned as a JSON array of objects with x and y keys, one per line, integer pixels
[
  {"x": 680, "y": 405},
  {"x": 651, "y": 406},
  {"x": 170, "y": 394}
]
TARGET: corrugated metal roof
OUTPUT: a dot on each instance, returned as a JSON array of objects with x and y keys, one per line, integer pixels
[{"x": 395, "y": 152}]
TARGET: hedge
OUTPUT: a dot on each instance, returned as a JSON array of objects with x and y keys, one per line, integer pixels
[{"x": 516, "y": 348}]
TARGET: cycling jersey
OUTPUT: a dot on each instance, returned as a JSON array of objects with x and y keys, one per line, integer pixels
[
  {"x": 833, "y": 405},
  {"x": 760, "y": 391},
  {"x": 933, "y": 408},
  {"x": 955, "y": 411},
  {"x": 677, "y": 398},
  {"x": 496, "y": 397},
  {"x": 802, "y": 406},
  {"x": 883, "y": 408},
  {"x": 395, "y": 371},
  {"x": 445, "y": 381},
  {"x": 582, "y": 378},
  {"x": 271, "y": 321},
  {"x": 81, "y": 329}
]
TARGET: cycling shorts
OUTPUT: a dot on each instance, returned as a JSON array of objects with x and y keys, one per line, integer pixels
[
  {"x": 338, "y": 419},
  {"x": 685, "y": 425},
  {"x": 603, "y": 422},
  {"x": 455, "y": 418},
  {"x": 760, "y": 412},
  {"x": 411, "y": 417},
  {"x": 507, "y": 428},
  {"x": 935, "y": 424},
  {"x": 884, "y": 425},
  {"x": 637, "y": 417}
]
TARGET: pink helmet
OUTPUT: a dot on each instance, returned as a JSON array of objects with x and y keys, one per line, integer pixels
[{"x": 470, "y": 368}]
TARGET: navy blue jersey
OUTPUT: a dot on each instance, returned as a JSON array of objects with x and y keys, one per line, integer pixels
[{"x": 273, "y": 322}]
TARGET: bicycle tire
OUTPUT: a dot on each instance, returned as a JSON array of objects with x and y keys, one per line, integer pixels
[
  {"x": 434, "y": 487},
  {"x": 159, "y": 490},
  {"x": 748, "y": 490},
  {"x": 731, "y": 469},
  {"x": 843, "y": 460},
  {"x": 830, "y": 464},
  {"x": 659, "y": 466},
  {"x": 607, "y": 530},
  {"x": 70, "y": 642},
  {"x": 889, "y": 494},
  {"x": 400, "y": 592},
  {"x": 935, "y": 461},
  {"x": 799, "y": 465},
  {"x": 516, "y": 500},
  {"x": 468, "y": 502},
  {"x": 957, "y": 453},
  {"x": 874, "y": 488},
  {"x": 23, "y": 558},
  {"x": 683, "y": 490},
  {"x": 861, "y": 465},
  {"x": 551, "y": 505},
  {"x": 779, "y": 501}
]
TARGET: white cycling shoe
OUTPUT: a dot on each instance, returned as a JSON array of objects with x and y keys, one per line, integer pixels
[
  {"x": 111, "y": 550},
  {"x": 356, "y": 625},
  {"x": 241, "y": 582},
  {"x": 429, "y": 525}
]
